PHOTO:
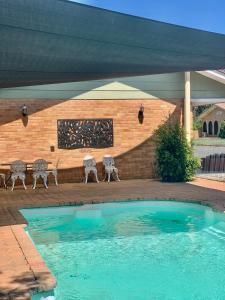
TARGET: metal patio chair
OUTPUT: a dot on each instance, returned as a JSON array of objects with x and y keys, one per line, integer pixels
[
  {"x": 110, "y": 168},
  {"x": 90, "y": 166},
  {"x": 54, "y": 172},
  {"x": 18, "y": 169},
  {"x": 39, "y": 168}
]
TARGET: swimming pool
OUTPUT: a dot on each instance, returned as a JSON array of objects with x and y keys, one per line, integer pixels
[{"x": 139, "y": 250}]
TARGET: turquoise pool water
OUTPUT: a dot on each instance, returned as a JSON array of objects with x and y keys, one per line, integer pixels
[{"x": 145, "y": 250}]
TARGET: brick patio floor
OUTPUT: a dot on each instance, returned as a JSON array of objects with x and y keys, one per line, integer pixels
[{"x": 21, "y": 267}]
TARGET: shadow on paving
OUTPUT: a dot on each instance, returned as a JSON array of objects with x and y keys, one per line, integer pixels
[{"x": 23, "y": 285}]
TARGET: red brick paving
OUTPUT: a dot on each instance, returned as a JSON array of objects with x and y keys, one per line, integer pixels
[{"x": 216, "y": 185}]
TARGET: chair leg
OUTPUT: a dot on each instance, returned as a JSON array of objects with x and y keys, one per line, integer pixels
[
  {"x": 45, "y": 179},
  {"x": 34, "y": 183},
  {"x": 55, "y": 174},
  {"x": 23, "y": 180},
  {"x": 56, "y": 179},
  {"x": 86, "y": 176},
  {"x": 117, "y": 176},
  {"x": 109, "y": 176},
  {"x": 13, "y": 183},
  {"x": 96, "y": 176}
]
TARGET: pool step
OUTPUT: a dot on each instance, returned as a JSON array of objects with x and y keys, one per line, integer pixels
[{"x": 217, "y": 230}]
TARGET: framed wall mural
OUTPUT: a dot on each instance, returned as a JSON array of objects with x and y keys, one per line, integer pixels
[{"x": 85, "y": 133}]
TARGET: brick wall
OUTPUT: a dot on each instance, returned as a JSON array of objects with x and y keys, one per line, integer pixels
[{"x": 133, "y": 142}]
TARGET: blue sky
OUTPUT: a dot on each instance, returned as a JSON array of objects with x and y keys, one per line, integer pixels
[{"x": 202, "y": 14}]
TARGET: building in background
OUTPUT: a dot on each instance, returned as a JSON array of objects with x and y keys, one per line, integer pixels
[{"x": 212, "y": 119}]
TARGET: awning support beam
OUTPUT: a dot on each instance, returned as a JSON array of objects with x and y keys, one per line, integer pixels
[{"x": 187, "y": 106}]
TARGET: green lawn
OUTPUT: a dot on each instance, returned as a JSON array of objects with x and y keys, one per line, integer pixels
[{"x": 209, "y": 142}]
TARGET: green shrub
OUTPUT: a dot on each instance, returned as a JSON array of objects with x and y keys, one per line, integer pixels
[
  {"x": 222, "y": 130},
  {"x": 174, "y": 158},
  {"x": 197, "y": 124}
]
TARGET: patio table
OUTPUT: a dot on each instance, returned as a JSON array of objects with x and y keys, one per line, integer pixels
[{"x": 28, "y": 166}]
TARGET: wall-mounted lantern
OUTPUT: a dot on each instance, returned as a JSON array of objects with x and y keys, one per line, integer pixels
[
  {"x": 24, "y": 110},
  {"x": 141, "y": 114}
]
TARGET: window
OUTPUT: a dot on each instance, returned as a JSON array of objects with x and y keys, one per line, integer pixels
[
  {"x": 216, "y": 128},
  {"x": 210, "y": 127},
  {"x": 204, "y": 129}
]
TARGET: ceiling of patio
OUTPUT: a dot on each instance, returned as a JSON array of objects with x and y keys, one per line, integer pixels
[{"x": 55, "y": 41}]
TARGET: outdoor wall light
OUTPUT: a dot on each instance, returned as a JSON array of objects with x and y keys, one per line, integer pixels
[
  {"x": 141, "y": 114},
  {"x": 24, "y": 110}
]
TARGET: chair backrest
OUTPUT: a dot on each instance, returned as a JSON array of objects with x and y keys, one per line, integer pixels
[
  {"x": 18, "y": 166},
  {"x": 89, "y": 161},
  {"x": 40, "y": 165},
  {"x": 108, "y": 161}
]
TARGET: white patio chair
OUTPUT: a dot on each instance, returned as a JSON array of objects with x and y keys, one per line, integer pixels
[
  {"x": 18, "y": 168},
  {"x": 90, "y": 166},
  {"x": 54, "y": 172},
  {"x": 110, "y": 168},
  {"x": 39, "y": 168}
]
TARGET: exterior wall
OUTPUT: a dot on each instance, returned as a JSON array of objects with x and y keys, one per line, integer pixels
[
  {"x": 206, "y": 88},
  {"x": 217, "y": 114},
  {"x": 133, "y": 142}
]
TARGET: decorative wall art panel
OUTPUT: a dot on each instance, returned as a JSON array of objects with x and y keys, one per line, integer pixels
[{"x": 85, "y": 133}]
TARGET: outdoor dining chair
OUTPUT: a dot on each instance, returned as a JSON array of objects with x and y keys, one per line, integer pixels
[
  {"x": 39, "y": 168},
  {"x": 18, "y": 168},
  {"x": 90, "y": 166},
  {"x": 110, "y": 168},
  {"x": 54, "y": 171}
]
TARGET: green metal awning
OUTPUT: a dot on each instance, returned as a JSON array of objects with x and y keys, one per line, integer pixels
[{"x": 55, "y": 41}]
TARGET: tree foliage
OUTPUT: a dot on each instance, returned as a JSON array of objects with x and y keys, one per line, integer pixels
[
  {"x": 222, "y": 130},
  {"x": 197, "y": 124},
  {"x": 174, "y": 158},
  {"x": 197, "y": 110}
]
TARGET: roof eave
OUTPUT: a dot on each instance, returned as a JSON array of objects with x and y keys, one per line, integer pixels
[{"x": 220, "y": 77}]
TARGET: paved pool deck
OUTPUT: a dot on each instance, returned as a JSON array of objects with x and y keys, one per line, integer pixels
[{"x": 22, "y": 269}]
